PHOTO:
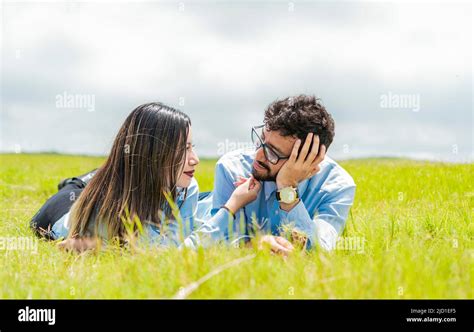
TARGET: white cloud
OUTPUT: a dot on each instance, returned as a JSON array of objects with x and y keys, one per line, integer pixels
[{"x": 228, "y": 61}]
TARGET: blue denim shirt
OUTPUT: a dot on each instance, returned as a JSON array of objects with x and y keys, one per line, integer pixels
[{"x": 321, "y": 214}]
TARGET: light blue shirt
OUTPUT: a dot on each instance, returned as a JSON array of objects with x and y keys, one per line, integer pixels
[
  {"x": 187, "y": 210},
  {"x": 186, "y": 230},
  {"x": 321, "y": 214}
]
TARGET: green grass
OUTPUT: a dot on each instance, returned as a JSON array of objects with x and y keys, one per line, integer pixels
[{"x": 415, "y": 217}]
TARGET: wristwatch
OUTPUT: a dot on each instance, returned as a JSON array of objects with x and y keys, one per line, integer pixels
[{"x": 287, "y": 195}]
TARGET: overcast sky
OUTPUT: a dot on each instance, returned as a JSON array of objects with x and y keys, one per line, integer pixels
[{"x": 224, "y": 62}]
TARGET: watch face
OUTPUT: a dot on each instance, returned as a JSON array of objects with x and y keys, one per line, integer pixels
[{"x": 288, "y": 195}]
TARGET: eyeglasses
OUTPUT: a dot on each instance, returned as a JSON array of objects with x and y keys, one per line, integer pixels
[{"x": 269, "y": 153}]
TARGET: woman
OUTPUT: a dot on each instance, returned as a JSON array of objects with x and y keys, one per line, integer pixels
[{"x": 148, "y": 172}]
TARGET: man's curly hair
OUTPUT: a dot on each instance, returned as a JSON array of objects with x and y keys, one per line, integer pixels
[{"x": 298, "y": 116}]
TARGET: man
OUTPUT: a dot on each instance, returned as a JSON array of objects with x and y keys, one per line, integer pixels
[{"x": 303, "y": 192}]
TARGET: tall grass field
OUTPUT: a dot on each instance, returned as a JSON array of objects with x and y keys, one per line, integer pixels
[{"x": 409, "y": 236}]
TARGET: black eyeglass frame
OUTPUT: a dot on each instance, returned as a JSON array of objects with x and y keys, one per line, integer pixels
[{"x": 265, "y": 146}]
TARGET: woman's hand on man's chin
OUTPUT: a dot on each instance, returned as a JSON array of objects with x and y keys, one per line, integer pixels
[{"x": 246, "y": 191}]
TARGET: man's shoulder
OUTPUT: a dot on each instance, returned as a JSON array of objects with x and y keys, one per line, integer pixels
[
  {"x": 244, "y": 155},
  {"x": 333, "y": 176},
  {"x": 237, "y": 162}
]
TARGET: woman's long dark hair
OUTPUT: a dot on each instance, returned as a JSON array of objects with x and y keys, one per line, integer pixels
[{"x": 145, "y": 162}]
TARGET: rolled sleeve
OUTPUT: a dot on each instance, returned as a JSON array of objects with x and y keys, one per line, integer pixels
[
  {"x": 329, "y": 219},
  {"x": 299, "y": 217}
]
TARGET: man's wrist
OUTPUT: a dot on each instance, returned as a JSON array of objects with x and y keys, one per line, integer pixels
[
  {"x": 289, "y": 207},
  {"x": 284, "y": 184}
]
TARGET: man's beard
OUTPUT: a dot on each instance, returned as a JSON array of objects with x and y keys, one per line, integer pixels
[{"x": 263, "y": 177}]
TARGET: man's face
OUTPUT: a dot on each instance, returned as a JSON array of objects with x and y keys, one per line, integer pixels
[{"x": 262, "y": 169}]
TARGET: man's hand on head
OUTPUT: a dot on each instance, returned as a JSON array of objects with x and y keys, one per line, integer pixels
[{"x": 302, "y": 165}]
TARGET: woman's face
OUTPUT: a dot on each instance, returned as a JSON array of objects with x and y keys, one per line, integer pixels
[{"x": 191, "y": 160}]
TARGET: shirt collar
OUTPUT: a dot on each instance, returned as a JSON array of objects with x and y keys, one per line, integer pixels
[{"x": 269, "y": 187}]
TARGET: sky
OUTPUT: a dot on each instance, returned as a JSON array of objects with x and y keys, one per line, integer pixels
[{"x": 396, "y": 77}]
